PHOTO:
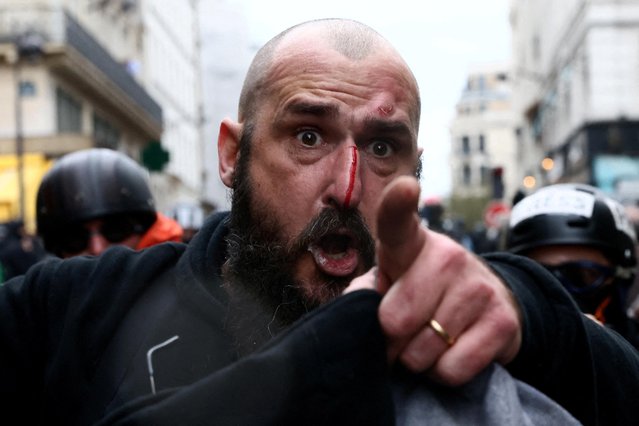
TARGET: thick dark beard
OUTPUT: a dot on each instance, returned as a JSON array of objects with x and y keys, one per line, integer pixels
[{"x": 259, "y": 272}]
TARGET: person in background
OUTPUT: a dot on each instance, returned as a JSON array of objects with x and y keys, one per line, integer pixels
[
  {"x": 586, "y": 240},
  {"x": 190, "y": 216},
  {"x": 432, "y": 214},
  {"x": 18, "y": 250},
  {"x": 632, "y": 211},
  {"x": 93, "y": 199}
]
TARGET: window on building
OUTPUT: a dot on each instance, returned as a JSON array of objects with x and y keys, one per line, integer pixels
[
  {"x": 465, "y": 145},
  {"x": 485, "y": 175},
  {"x": 69, "y": 112},
  {"x": 105, "y": 134},
  {"x": 481, "y": 83},
  {"x": 466, "y": 176},
  {"x": 482, "y": 144},
  {"x": 26, "y": 88}
]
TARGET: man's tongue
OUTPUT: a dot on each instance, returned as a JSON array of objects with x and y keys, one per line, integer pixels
[{"x": 335, "y": 255}]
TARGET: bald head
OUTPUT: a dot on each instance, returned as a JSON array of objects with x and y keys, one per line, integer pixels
[{"x": 352, "y": 39}]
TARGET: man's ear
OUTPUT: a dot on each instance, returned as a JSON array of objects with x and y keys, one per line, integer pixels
[{"x": 228, "y": 149}]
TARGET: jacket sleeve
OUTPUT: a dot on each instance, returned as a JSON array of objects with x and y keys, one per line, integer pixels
[
  {"x": 23, "y": 345},
  {"x": 588, "y": 369},
  {"x": 56, "y": 320},
  {"x": 329, "y": 368}
]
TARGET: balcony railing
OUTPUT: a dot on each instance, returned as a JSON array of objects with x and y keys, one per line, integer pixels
[{"x": 58, "y": 28}]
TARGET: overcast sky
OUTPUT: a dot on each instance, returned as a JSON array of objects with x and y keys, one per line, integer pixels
[{"x": 440, "y": 40}]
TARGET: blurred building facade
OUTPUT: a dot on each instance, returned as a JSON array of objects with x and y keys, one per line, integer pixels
[
  {"x": 225, "y": 34},
  {"x": 576, "y": 91},
  {"x": 121, "y": 74},
  {"x": 484, "y": 146}
]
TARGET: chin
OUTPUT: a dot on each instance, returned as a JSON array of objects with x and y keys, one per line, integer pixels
[
  {"x": 321, "y": 291},
  {"x": 318, "y": 288}
]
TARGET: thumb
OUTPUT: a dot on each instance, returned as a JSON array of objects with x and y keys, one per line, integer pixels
[
  {"x": 366, "y": 281},
  {"x": 399, "y": 232}
]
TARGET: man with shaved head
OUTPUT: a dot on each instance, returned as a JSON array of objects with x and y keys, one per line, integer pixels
[{"x": 319, "y": 299}]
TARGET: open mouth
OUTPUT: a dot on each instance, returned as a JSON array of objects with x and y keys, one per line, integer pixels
[{"x": 336, "y": 254}]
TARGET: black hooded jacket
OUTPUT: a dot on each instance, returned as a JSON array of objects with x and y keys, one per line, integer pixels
[{"x": 142, "y": 338}]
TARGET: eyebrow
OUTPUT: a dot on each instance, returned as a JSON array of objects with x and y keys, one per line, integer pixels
[
  {"x": 330, "y": 110},
  {"x": 312, "y": 108},
  {"x": 377, "y": 125}
]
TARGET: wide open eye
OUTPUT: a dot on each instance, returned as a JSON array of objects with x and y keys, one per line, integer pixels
[
  {"x": 309, "y": 138},
  {"x": 380, "y": 149}
]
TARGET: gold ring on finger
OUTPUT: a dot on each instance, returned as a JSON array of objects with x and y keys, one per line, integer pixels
[{"x": 439, "y": 330}]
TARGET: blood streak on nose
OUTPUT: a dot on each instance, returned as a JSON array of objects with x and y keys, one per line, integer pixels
[{"x": 352, "y": 174}]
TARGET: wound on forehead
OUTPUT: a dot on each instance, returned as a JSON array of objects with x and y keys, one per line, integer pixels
[
  {"x": 385, "y": 109},
  {"x": 352, "y": 175}
]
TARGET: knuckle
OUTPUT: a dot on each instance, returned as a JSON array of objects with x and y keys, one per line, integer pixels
[
  {"x": 481, "y": 291},
  {"x": 452, "y": 255},
  {"x": 504, "y": 323},
  {"x": 394, "y": 321},
  {"x": 413, "y": 363},
  {"x": 452, "y": 377},
  {"x": 458, "y": 373}
]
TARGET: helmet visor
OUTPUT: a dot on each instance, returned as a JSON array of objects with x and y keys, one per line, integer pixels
[
  {"x": 74, "y": 238},
  {"x": 582, "y": 276}
]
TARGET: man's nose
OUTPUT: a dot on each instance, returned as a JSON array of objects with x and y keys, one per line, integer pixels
[
  {"x": 97, "y": 244},
  {"x": 345, "y": 190}
]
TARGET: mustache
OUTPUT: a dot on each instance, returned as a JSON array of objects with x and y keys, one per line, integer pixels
[{"x": 331, "y": 221}]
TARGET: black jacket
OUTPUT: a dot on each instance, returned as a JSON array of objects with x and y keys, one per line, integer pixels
[{"x": 80, "y": 337}]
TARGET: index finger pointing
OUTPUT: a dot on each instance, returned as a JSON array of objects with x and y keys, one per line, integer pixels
[{"x": 400, "y": 237}]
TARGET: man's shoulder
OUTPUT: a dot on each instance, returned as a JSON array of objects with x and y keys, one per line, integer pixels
[
  {"x": 123, "y": 261},
  {"x": 117, "y": 272},
  {"x": 518, "y": 268}
]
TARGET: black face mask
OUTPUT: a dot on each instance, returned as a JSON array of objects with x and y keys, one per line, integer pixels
[{"x": 589, "y": 283}]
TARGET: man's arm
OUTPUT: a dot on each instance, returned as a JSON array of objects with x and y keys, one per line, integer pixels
[
  {"x": 589, "y": 369},
  {"x": 329, "y": 368},
  {"x": 518, "y": 317}
]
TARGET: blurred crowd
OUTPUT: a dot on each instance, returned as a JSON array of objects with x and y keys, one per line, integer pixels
[
  {"x": 585, "y": 238},
  {"x": 18, "y": 250}
]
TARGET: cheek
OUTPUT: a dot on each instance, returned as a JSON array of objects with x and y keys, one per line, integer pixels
[
  {"x": 132, "y": 241},
  {"x": 286, "y": 193},
  {"x": 373, "y": 187},
  {"x": 288, "y": 185}
]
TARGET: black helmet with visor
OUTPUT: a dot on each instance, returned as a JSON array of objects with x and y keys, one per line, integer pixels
[
  {"x": 93, "y": 184},
  {"x": 581, "y": 215}
]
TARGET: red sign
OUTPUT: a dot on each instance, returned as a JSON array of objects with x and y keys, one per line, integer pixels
[{"x": 495, "y": 214}]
